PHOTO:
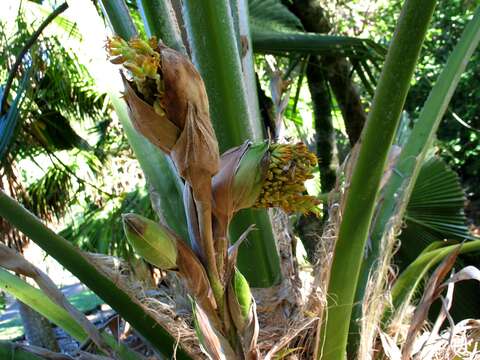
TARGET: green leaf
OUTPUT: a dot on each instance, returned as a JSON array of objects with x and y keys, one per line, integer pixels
[
  {"x": 10, "y": 350},
  {"x": 38, "y": 301},
  {"x": 9, "y": 118},
  {"x": 409, "y": 280},
  {"x": 361, "y": 197},
  {"x": 272, "y": 15},
  {"x": 435, "y": 210},
  {"x": 281, "y": 43}
]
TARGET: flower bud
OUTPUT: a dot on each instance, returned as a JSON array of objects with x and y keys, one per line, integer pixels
[
  {"x": 239, "y": 301},
  {"x": 168, "y": 104},
  {"x": 152, "y": 241},
  {"x": 242, "y": 293},
  {"x": 263, "y": 175}
]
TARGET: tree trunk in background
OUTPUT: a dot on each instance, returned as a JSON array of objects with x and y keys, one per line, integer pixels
[
  {"x": 323, "y": 72},
  {"x": 338, "y": 72},
  {"x": 337, "y": 69},
  {"x": 324, "y": 132},
  {"x": 38, "y": 330},
  {"x": 309, "y": 227}
]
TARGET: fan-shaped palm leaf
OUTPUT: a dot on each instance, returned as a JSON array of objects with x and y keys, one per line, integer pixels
[
  {"x": 435, "y": 210},
  {"x": 276, "y": 30},
  {"x": 272, "y": 16}
]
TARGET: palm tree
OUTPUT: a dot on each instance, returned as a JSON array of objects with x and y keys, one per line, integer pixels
[{"x": 223, "y": 309}]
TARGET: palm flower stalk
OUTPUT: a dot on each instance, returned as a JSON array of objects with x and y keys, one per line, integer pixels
[{"x": 168, "y": 105}]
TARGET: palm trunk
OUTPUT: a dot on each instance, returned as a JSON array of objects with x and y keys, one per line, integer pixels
[{"x": 324, "y": 131}]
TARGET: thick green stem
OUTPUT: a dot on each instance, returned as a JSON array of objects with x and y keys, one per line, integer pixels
[
  {"x": 214, "y": 48},
  {"x": 79, "y": 265},
  {"x": 119, "y": 18},
  {"x": 159, "y": 19},
  {"x": 398, "y": 189},
  {"x": 364, "y": 184}
]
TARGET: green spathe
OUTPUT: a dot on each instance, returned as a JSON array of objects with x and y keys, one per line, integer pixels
[
  {"x": 152, "y": 241},
  {"x": 250, "y": 174},
  {"x": 243, "y": 293}
]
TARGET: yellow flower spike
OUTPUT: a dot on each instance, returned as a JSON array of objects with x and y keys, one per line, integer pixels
[
  {"x": 290, "y": 165},
  {"x": 153, "y": 42},
  {"x": 142, "y": 46},
  {"x": 117, "y": 46},
  {"x": 150, "y": 67}
]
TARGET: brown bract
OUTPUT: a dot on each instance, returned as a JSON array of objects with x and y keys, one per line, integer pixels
[
  {"x": 224, "y": 205},
  {"x": 186, "y": 103},
  {"x": 195, "y": 153},
  {"x": 196, "y": 278},
  {"x": 185, "y": 132},
  {"x": 159, "y": 130}
]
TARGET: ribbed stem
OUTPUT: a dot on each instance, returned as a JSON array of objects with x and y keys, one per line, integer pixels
[
  {"x": 159, "y": 19},
  {"x": 413, "y": 153},
  {"x": 214, "y": 48},
  {"x": 361, "y": 196}
]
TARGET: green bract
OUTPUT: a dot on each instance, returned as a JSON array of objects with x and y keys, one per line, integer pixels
[
  {"x": 242, "y": 293},
  {"x": 152, "y": 241}
]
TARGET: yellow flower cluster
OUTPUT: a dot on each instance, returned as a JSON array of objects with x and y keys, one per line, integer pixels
[
  {"x": 143, "y": 61},
  {"x": 289, "y": 167}
]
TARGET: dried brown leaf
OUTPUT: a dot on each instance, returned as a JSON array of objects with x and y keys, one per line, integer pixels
[
  {"x": 389, "y": 347},
  {"x": 467, "y": 273},
  {"x": 196, "y": 278},
  {"x": 183, "y": 85},
  {"x": 159, "y": 130},
  {"x": 213, "y": 342},
  {"x": 195, "y": 153},
  {"x": 430, "y": 294},
  {"x": 250, "y": 334},
  {"x": 222, "y": 185},
  {"x": 285, "y": 340}
]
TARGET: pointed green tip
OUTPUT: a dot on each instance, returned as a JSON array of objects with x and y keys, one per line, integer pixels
[
  {"x": 242, "y": 292},
  {"x": 150, "y": 240}
]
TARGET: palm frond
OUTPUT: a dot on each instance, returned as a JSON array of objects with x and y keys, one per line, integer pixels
[
  {"x": 50, "y": 196},
  {"x": 10, "y": 120},
  {"x": 435, "y": 211},
  {"x": 281, "y": 43},
  {"x": 272, "y": 15}
]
